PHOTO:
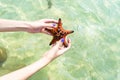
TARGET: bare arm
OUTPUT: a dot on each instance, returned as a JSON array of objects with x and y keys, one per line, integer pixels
[
  {"x": 27, "y": 26},
  {"x": 26, "y": 72},
  {"x": 12, "y": 25}
]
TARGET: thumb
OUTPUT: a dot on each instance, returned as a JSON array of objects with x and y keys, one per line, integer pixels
[{"x": 60, "y": 43}]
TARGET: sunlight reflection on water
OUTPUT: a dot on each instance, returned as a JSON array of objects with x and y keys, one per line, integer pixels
[{"x": 94, "y": 54}]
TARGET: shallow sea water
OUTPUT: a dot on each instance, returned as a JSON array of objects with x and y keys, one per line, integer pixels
[{"x": 95, "y": 52}]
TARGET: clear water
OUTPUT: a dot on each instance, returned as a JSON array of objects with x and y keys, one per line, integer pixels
[{"x": 95, "y": 51}]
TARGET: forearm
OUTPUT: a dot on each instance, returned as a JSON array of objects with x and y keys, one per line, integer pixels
[
  {"x": 12, "y": 25},
  {"x": 26, "y": 72}
]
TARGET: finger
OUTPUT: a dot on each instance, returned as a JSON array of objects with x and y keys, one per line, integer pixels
[
  {"x": 49, "y": 25},
  {"x": 46, "y": 32},
  {"x": 51, "y": 21},
  {"x": 52, "y": 45},
  {"x": 69, "y": 40},
  {"x": 69, "y": 43},
  {"x": 66, "y": 39},
  {"x": 59, "y": 43}
]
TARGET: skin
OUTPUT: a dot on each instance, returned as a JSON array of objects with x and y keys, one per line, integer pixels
[
  {"x": 26, "y": 26},
  {"x": 55, "y": 51}
]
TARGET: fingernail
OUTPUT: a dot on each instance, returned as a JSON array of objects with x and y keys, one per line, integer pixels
[
  {"x": 53, "y": 24},
  {"x": 62, "y": 40}
]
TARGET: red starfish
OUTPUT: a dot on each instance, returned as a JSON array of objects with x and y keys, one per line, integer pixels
[{"x": 59, "y": 33}]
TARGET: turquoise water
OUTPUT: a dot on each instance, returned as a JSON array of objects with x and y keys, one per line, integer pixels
[{"x": 95, "y": 52}]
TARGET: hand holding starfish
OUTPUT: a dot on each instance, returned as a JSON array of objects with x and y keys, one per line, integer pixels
[{"x": 39, "y": 26}]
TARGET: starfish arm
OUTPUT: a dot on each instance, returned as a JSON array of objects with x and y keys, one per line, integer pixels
[
  {"x": 59, "y": 23},
  {"x": 69, "y": 32},
  {"x": 53, "y": 41},
  {"x": 49, "y": 30}
]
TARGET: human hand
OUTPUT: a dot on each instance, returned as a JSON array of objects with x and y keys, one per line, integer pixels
[
  {"x": 57, "y": 49},
  {"x": 39, "y": 26}
]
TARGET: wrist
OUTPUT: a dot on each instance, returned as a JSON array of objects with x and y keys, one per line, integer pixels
[
  {"x": 48, "y": 56},
  {"x": 33, "y": 27},
  {"x": 27, "y": 26}
]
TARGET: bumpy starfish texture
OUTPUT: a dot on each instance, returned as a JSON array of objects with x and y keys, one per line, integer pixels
[{"x": 59, "y": 33}]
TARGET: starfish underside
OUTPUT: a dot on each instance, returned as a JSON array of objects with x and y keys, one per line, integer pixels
[{"x": 59, "y": 33}]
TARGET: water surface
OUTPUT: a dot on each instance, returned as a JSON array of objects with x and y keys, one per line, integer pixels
[{"x": 95, "y": 52}]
